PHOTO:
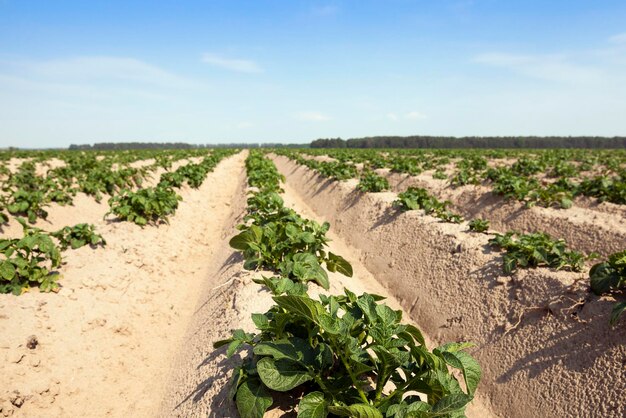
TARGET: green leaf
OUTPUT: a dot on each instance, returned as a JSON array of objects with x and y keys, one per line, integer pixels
[
  {"x": 313, "y": 405},
  {"x": 416, "y": 334},
  {"x": 260, "y": 321},
  {"x": 618, "y": 308},
  {"x": 603, "y": 278},
  {"x": 306, "y": 267},
  {"x": 450, "y": 404},
  {"x": 466, "y": 363},
  {"x": 387, "y": 315},
  {"x": 7, "y": 270},
  {"x": 253, "y": 399},
  {"x": 281, "y": 349},
  {"x": 243, "y": 240},
  {"x": 232, "y": 347},
  {"x": 339, "y": 264},
  {"x": 329, "y": 324},
  {"x": 281, "y": 375},
  {"x": 300, "y": 305},
  {"x": 368, "y": 306},
  {"x": 356, "y": 411}
]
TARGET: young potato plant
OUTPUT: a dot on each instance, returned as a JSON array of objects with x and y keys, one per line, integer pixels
[
  {"x": 372, "y": 183},
  {"x": 417, "y": 198},
  {"x": 478, "y": 225},
  {"x": 276, "y": 238},
  {"x": 291, "y": 245},
  {"x": 440, "y": 175},
  {"x": 28, "y": 203},
  {"x": 534, "y": 250},
  {"x": 26, "y": 261},
  {"x": 149, "y": 205},
  {"x": 350, "y": 356},
  {"x": 77, "y": 236},
  {"x": 335, "y": 170},
  {"x": 406, "y": 165},
  {"x": 605, "y": 188},
  {"x": 610, "y": 276}
]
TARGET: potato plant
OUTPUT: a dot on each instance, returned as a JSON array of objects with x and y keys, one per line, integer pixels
[
  {"x": 277, "y": 238},
  {"x": 418, "y": 198},
  {"x": 78, "y": 236},
  {"x": 534, "y": 250},
  {"x": 27, "y": 261},
  {"x": 342, "y": 355},
  {"x": 150, "y": 205},
  {"x": 610, "y": 276},
  {"x": 478, "y": 225},
  {"x": 372, "y": 182},
  {"x": 350, "y": 356}
]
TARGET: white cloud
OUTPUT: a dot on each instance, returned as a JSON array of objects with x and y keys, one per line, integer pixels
[
  {"x": 546, "y": 67},
  {"x": 620, "y": 38},
  {"x": 94, "y": 68},
  {"x": 415, "y": 115},
  {"x": 392, "y": 116},
  {"x": 232, "y": 64},
  {"x": 312, "y": 116}
]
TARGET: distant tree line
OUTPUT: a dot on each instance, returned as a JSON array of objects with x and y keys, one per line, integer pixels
[{"x": 473, "y": 142}]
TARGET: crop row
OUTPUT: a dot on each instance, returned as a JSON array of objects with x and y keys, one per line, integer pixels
[
  {"x": 345, "y": 355},
  {"x": 25, "y": 193},
  {"x": 32, "y": 260},
  {"x": 519, "y": 250},
  {"x": 550, "y": 178}
]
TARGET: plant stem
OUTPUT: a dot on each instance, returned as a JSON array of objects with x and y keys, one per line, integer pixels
[{"x": 355, "y": 381}]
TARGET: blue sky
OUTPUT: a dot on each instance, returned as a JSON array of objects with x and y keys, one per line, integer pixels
[{"x": 294, "y": 71}]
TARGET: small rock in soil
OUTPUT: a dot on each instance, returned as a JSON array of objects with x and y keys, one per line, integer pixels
[{"x": 32, "y": 342}]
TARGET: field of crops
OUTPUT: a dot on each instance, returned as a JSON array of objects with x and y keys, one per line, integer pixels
[{"x": 313, "y": 283}]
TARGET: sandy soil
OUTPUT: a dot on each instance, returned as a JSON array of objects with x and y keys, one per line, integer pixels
[
  {"x": 107, "y": 339},
  {"x": 542, "y": 339},
  {"x": 584, "y": 228},
  {"x": 199, "y": 385},
  {"x": 131, "y": 331}
]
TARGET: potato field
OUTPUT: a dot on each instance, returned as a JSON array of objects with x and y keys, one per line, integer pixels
[{"x": 313, "y": 283}]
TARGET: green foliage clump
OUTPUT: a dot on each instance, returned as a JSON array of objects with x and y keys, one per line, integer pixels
[
  {"x": 478, "y": 225},
  {"x": 276, "y": 238},
  {"x": 343, "y": 352},
  {"x": 534, "y": 250},
  {"x": 405, "y": 165},
  {"x": 26, "y": 261},
  {"x": 440, "y": 175},
  {"x": 610, "y": 276},
  {"x": 418, "y": 198},
  {"x": 372, "y": 182},
  {"x": 150, "y": 205},
  {"x": 77, "y": 236},
  {"x": 606, "y": 189}
]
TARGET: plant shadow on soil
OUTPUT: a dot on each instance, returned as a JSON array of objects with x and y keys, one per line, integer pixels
[
  {"x": 324, "y": 183},
  {"x": 352, "y": 199},
  {"x": 578, "y": 339},
  {"x": 221, "y": 404},
  {"x": 220, "y": 401},
  {"x": 573, "y": 347},
  {"x": 387, "y": 217},
  {"x": 574, "y": 332},
  {"x": 235, "y": 258}
]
